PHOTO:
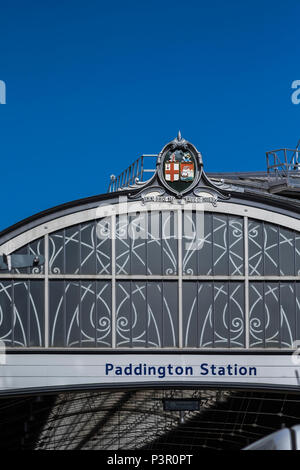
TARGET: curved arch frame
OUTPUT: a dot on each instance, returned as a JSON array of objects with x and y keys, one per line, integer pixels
[
  {"x": 131, "y": 207},
  {"x": 111, "y": 210}
]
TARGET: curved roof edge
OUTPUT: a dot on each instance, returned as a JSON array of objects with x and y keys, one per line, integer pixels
[
  {"x": 46, "y": 214},
  {"x": 273, "y": 202}
]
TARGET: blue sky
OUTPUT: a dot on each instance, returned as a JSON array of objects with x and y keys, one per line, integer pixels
[{"x": 92, "y": 85}]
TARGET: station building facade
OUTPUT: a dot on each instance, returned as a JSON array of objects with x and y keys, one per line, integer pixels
[{"x": 182, "y": 284}]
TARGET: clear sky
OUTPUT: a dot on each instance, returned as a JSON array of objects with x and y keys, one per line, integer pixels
[{"x": 91, "y": 85}]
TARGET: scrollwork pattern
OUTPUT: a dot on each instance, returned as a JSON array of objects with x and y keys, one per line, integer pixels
[
  {"x": 21, "y": 313},
  {"x": 214, "y": 315},
  {"x": 83, "y": 248},
  {"x": 273, "y": 250},
  {"x": 274, "y": 308},
  {"x": 147, "y": 314},
  {"x": 83, "y": 311},
  {"x": 146, "y": 243},
  {"x": 212, "y": 244}
]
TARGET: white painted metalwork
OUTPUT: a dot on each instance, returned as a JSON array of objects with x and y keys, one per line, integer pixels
[
  {"x": 133, "y": 207},
  {"x": 110, "y": 212}
]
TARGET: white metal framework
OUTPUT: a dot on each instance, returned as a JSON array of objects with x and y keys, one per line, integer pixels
[{"x": 180, "y": 279}]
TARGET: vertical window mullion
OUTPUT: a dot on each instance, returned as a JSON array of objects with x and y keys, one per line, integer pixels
[
  {"x": 95, "y": 245},
  {"x": 113, "y": 281},
  {"x": 279, "y": 315},
  {"x": 64, "y": 251},
  {"x": 131, "y": 315},
  {"x": 264, "y": 314},
  {"x": 295, "y": 336},
  {"x": 246, "y": 285},
  {"x": 229, "y": 314},
  {"x": 197, "y": 315},
  {"x": 147, "y": 239},
  {"x": 294, "y": 247},
  {"x": 79, "y": 312},
  {"x": 160, "y": 283},
  {"x": 46, "y": 292},
  {"x": 65, "y": 313},
  {"x": 212, "y": 245},
  {"x": 160, "y": 224},
  {"x": 263, "y": 250},
  {"x": 179, "y": 232},
  {"x": 213, "y": 311},
  {"x": 228, "y": 245},
  {"x": 79, "y": 241},
  {"x": 12, "y": 312},
  {"x": 278, "y": 248},
  {"x": 96, "y": 311},
  {"x": 28, "y": 333},
  {"x": 147, "y": 314}
]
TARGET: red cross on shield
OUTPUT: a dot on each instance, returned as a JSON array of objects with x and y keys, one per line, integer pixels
[{"x": 172, "y": 169}]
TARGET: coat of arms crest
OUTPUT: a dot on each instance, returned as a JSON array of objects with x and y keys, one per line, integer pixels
[
  {"x": 179, "y": 168},
  {"x": 179, "y": 165}
]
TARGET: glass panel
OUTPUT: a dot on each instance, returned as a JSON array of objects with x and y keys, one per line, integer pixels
[
  {"x": 154, "y": 246},
  {"x": 35, "y": 248},
  {"x": 103, "y": 314},
  {"x": 289, "y": 312},
  {"x": 81, "y": 249},
  {"x": 274, "y": 313},
  {"x": 256, "y": 314},
  {"x": 57, "y": 317},
  {"x": 197, "y": 314},
  {"x": 255, "y": 241},
  {"x": 147, "y": 314},
  {"x": 236, "y": 246},
  {"x": 103, "y": 246},
  {"x": 71, "y": 250},
  {"x": 297, "y": 254},
  {"x": 36, "y": 312},
  {"x": 146, "y": 243},
  {"x": 213, "y": 315},
  {"x": 220, "y": 245},
  {"x": 22, "y": 313},
  {"x": 87, "y": 250},
  {"x": 6, "y": 317},
  {"x": 196, "y": 230},
  {"x": 169, "y": 243},
  {"x": 80, "y": 314},
  {"x": 213, "y": 244},
  {"x": 137, "y": 233},
  {"x": 273, "y": 250},
  {"x": 56, "y": 252},
  {"x": 287, "y": 252}
]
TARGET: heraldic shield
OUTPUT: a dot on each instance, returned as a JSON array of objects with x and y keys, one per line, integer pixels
[
  {"x": 172, "y": 169},
  {"x": 179, "y": 167}
]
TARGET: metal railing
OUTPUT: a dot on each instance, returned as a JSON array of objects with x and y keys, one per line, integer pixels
[
  {"x": 135, "y": 173},
  {"x": 283, "y": 161}
]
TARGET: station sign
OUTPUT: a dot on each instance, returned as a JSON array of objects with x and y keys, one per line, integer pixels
[{"x": 78, "y": 370}]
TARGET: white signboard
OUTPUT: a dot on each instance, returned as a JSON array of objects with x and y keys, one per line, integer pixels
[{"x": 41, "y": 371}]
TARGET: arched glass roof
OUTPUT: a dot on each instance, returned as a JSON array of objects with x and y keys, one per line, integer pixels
[{"x": 153, "y": 278}]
